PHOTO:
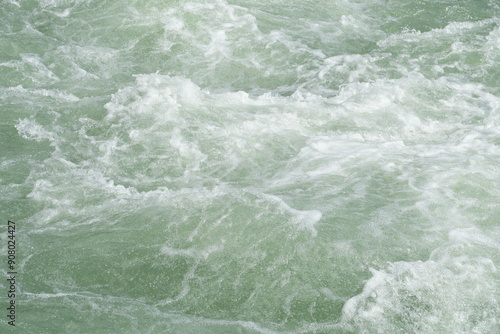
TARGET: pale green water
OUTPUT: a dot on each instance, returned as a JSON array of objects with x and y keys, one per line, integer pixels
[{"x": 251, "y": 166}]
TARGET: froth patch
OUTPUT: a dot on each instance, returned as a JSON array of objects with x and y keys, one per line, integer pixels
[
  {"x": 152, "y": 91},
  {"x": 305, "y": 220},
  {"x": 31, "y": 130},
  {"x": 451, "y": 292},
  {"x": 53, "y": 94}
]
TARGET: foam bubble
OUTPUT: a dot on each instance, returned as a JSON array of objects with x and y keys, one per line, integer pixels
[
  {"x": 29, "y": 129},
  {"x": 453, "y": 291}
]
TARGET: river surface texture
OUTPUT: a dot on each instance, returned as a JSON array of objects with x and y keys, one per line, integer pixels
[{"x": 251, "y": 166}]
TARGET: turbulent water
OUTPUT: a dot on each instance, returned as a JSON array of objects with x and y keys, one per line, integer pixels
[{"x": 251, "y": 166}]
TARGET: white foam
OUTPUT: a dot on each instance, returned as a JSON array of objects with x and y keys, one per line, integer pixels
[
  {"x": 13, "y": 2},
  {"x": 444, "y": 292},
  {"x": 56, "y": 94},
  {"x": 151, "y": 91},
  {"x": 30, "y": 129},
  {"x": 304, "y": 219}
]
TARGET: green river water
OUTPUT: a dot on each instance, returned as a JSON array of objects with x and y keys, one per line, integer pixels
[{"x": 251, "y": 166}]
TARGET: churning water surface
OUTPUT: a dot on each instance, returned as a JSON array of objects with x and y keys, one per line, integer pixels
[{"x": 251, "y": 166}]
